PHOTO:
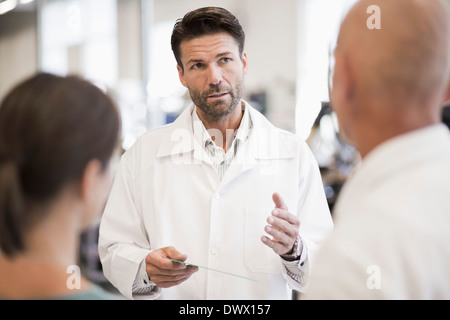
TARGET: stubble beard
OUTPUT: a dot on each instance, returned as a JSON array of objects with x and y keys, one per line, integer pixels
[{"x": 220, "y": 109}]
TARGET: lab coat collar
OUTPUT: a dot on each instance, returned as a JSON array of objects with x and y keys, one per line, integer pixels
[
  {"x": 403, "y": 151},
  {"x": 266, "y": 142}
]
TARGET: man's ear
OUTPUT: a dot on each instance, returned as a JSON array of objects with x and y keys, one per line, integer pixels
[
  {"x": 181, "y": 75},
  {"x": 342, "y": 96},
  {"x": 244, "y": 63},
  {"x": 341, "y": 92},
  {"x": 447, "y": 95}
]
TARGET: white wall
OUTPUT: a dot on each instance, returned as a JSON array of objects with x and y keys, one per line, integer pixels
[
  {"x": 18, "y": 49},
  {"x": 129, "y": 39},
  {"x": 271, "y": 30}
]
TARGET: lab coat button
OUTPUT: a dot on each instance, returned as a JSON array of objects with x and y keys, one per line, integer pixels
[
  {"x": 217, "y": 195},
  {"x": 213, "y": 250}
]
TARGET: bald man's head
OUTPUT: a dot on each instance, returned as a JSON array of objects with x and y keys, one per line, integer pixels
[
  {"x": 406, "y": 61},
  {"x": 410, "y": 53}
]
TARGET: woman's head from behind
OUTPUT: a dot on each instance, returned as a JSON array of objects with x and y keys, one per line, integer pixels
[{"x": 57, "y": 136}]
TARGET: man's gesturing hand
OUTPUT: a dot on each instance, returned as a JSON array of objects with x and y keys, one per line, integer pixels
[
  {"x": 165, "y": 273},
  {"x": 283, "y": 227}
]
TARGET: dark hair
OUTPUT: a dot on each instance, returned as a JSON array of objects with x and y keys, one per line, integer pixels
[
  {"x": 206, "y": 21},
  {"x": 50, "y": 128}
]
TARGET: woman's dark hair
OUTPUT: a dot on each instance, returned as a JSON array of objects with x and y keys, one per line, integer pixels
[
  {"x": 206, "y": 21},
  {"x": 50, "y": 128}
]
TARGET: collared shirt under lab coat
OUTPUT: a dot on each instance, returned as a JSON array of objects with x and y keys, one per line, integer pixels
[
  {"x": 392, "y": 225},
  {"x": 166, "y": 193}
]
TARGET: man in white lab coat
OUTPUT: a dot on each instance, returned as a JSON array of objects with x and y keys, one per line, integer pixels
[
  {"x": 392, "y": 218},
  {"x": 205, "y": 189}
]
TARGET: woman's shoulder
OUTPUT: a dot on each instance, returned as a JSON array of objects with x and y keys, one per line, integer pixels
[{"x": 95, "y": 292}]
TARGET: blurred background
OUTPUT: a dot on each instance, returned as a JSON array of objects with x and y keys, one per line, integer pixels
[{"x": 123, "y": 46}]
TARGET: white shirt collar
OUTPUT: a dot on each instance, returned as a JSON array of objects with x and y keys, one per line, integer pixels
[{"x": 204, "y": 138}]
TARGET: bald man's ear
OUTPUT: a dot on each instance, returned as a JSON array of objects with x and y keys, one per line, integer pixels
[
  {"x": 342, "y": 83},
  {"x": 447, "y": 95}
]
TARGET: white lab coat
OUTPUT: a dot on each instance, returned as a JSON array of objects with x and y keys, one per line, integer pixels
[
  {"x": 166, "y": 193},
  {"x": 392, "y": 230}
]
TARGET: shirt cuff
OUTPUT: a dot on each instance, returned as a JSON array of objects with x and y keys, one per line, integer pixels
[
  {"x": 297, "y": 253},
  {"x": 142, "y": 283},
  {"x": 295, "y": 269}
]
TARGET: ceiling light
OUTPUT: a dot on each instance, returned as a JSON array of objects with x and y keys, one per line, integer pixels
[{"x": 7, "y": 6}]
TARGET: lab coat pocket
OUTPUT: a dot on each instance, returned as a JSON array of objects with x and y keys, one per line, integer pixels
[{"x": 257, "y": 256}]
